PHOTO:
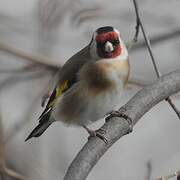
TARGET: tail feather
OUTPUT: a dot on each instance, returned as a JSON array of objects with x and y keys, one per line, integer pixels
[
  {"x": 39, "y": 130},
  {"x": 44, "y": 123}
]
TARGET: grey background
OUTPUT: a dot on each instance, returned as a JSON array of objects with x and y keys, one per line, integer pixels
[{"x": 70, "y": 25}]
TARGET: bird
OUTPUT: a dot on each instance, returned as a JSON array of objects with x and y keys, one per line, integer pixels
[{"x": 89, "y": 84}]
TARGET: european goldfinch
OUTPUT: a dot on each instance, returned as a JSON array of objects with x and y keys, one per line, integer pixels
[{"x": 89, "y": 84}]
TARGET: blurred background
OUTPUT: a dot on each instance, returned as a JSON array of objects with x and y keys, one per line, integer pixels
[{"x": 38, "y": 36}]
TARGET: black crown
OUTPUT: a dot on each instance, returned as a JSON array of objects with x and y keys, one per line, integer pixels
[{"x": 105, "y": 29}]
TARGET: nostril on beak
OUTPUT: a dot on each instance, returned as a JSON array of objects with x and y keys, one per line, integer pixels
[{"x": 109, "y": 47}]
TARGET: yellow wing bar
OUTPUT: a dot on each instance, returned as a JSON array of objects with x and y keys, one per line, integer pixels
[{"x": 59, "y": 90}]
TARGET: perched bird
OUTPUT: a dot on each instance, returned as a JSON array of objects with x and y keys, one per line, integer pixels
[{"x": 89, "y": 84}]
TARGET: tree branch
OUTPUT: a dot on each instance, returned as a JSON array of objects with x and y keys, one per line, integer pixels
[
  {"x": 148, "y": 44},
  {"x": 137, "y": 27},
  {"x": 39, "y": 59},
  {"x": 22, "y": 69},
  {"x": 147, "y": 41},
  {"x": 117, "y": 127}
]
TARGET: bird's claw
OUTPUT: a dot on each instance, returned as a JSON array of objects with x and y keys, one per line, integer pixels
[
  {"x": 98, "y": 133},
  {"x": 121, "y": 113}
]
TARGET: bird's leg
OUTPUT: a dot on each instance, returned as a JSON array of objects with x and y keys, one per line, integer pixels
[
  {"x": 98, "y": 133},
  {"x": 121, "y": 113}
]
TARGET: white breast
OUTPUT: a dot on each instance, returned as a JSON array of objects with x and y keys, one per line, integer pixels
[
  {"x": 101, "y": 104},
  {"x": 77, "y": 107}
]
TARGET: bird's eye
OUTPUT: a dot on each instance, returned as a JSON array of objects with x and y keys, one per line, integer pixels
[{"x": 116, "y": 42}]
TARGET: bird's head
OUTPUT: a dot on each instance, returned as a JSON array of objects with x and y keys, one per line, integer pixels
[{"x": 106, "y": 43}]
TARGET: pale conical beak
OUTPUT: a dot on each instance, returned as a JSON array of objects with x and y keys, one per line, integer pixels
[{"x": 108, "y": 47}]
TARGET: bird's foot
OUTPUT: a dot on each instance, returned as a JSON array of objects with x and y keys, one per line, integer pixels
[
  {"x": 121, "y": 113},
  {"x": 97, "y": 133}
]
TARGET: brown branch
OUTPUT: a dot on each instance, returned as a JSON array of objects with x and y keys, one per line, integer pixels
[
  {"x": 117, "y": 127},
  {"x": 11, "y": 173},
  {"x": 25, "y": 68},
  {"x": 4, "y": 170},
  {"x": 148, "y": 44},
  {"x": 39, "y": 59},
  {"x": 14, "y": 80}
]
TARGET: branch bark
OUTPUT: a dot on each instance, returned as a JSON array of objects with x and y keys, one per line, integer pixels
[{"x": 117, "y": 127}]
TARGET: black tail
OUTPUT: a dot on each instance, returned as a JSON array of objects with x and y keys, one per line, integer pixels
[
  {"x": 39, "y": 130},
  {"x": 44, "y": 123}
]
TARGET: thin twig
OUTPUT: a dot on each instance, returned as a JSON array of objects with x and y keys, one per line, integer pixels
[
  {"x": 148, "y": 44},
  {"x": 13, "y": 174},
  {"x": 169, "y": 100},
  {"x": 14, "y": 80},
  {"x": 157, "y": 39},
  {"x": 149, "y": 170},
  {"x": 135, "y": 38},
  {"x": 25, "y": 68},
  {"x": 137, "y": 23}
]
